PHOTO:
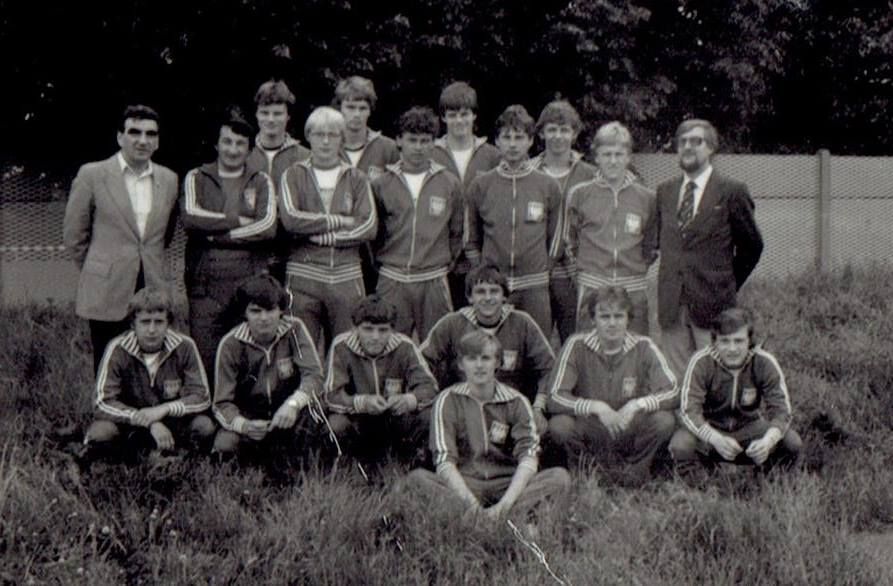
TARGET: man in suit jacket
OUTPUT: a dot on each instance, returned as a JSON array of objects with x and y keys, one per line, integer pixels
[
  {"x": 709, "y": 244},
  {"x": 116, "y": 227}
]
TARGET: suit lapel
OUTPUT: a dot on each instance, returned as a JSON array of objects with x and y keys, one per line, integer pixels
[
  {"x": 674, "y": 187},
  {"x": 159, "y": 203},
  {"x": 114, "y": 182}
]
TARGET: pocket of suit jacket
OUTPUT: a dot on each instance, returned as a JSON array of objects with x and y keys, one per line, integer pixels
[{"x": 97, "y": 267}]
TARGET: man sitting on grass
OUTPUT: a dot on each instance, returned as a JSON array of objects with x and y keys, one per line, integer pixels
[
  {"x": 484, "y": 440},
  {"x": 267, "y": 372},
  {"x": 150, "y": 383},
  {"x": 612, "y": 392},
  {"x": 724, "y": 388},
  {"x": 379, "y": 387}
]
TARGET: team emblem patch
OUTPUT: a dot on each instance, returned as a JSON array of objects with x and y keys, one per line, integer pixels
[
  {"x": 498, "y": 432},
  {"x": 373, "y": 172},
  {"x": 509, "y": 359},
  {"x": 172, "y": 388},
  {"x": 392, "y": 386},
  {"x": 249, "y": 196},
  {"x": 633, "y": 224},
  {"x": 285, "y": 367},
  {"x": 748, "y": 396},
  {"x": 536, "y": 211},
  {"x": 629, "y": 386},
  {"x": 436, "y": 206}
]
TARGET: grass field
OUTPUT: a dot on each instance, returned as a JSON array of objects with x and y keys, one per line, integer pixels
[{"x": 199, "y": 522}]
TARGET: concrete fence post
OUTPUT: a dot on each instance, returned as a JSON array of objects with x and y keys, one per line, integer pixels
[{"x": 823, "y": 212}]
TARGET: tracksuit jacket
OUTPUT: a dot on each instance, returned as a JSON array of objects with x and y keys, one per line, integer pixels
[
  {"x": 252, "y": 381},
  {"x": 484, "y": 156},
  {"x": 418, "y": 240},
  {"x": 604, "y": 232},
  {"x": 580, "y": 171},
  {"x": 514, "y": 222},
  {"x": 212, "y": 221},
  {"x": 584, "y": 372},
  {"x": 289, "y": 153},
  {"x": 527, "y": 357},
  {"x": 400, "y": 368},
  {"x": 124, "y": 384},
  {"x": 484, "y": 440},
  {"x": 379, "y": 152},
  {"x": 714, "y": 397},
  {"x": 302, "y": 212}
]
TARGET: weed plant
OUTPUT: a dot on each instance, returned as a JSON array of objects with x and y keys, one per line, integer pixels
[{"x": 202, "y": 522}]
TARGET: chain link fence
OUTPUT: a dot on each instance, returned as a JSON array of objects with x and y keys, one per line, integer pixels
[
  {"x": 34, "y": 265},
  {"x": 814, "y": 211}
]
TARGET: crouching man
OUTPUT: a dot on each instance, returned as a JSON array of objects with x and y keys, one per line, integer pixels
[
  {"x": 612, "y": 392},
  {"x": 267, "y": 372},
  {"x": 379, "y": 388},
  {"x": 725, "y": 387},
  {"x": 150, "y": 383},
  {"x": 484, "y": 440}
]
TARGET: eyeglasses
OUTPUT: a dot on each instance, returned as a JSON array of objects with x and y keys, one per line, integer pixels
[
  {"x": 321, "y": 135},
  {"x": 694, "y": 141}
]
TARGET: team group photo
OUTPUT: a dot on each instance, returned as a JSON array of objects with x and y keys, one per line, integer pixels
[{"x": 359, "y": 333}]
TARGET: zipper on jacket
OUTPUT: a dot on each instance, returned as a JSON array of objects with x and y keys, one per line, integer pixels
[
  {"x": 483, "y": 424},
  {"x": 415, "y": 215},
  {"x": 161, "y": 360},
  {"x": 271, "y": 162},
  {"x": 267, "y": 377},
  {"x": 735, "y": 389},
  {"x": 275, "y": 156},
  {"x": 614, "y": 228},
  {"x": 327, "y": 210},
  {"x": 514, "y": 223},
  {"x": 456, "y": 164},
  {"x": 375, "y": 375},
  {"x": 269, "y": 362}
]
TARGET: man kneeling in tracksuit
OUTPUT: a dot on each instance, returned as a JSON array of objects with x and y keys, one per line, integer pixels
[
  {"x": 724, "y": 387},
  {"x": 267, "y": 372},
  {"x": 612, "y": 392},
  {"x": 150, "y": 383},
  {"x": 379, "y": 388}
]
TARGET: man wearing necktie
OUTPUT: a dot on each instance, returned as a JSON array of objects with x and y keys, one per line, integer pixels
[
  {"x": 117, "y": 226},
  {"x": 709, "y": 244}
]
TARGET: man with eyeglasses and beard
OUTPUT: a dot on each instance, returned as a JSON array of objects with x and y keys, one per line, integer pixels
[{"x": 709, "y": 244}]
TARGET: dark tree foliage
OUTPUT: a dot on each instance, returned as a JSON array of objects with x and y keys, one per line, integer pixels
[{"x": 774, "y": 75}]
